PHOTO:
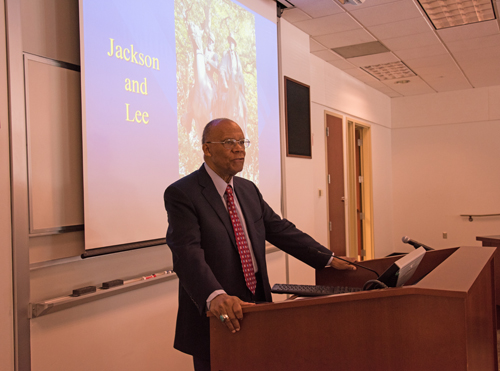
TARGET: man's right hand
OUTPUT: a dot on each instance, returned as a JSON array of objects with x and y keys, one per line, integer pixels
[{"x": 224, "y": 304}]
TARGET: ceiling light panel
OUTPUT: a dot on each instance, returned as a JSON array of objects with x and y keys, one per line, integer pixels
[
  {"x": 389, "y": 71},
  {"x": 450, "y": 13}
]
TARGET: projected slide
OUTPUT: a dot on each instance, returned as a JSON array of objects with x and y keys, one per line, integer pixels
[
  {"x": 215, "y": 43},
  {"x": 154, "y": 72}
]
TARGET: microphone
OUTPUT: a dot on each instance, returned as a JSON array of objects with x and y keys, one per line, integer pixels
[{"x": 415, "y": 244}]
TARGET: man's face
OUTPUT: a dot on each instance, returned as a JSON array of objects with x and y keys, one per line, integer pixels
[{"x": 224, "y": 161}]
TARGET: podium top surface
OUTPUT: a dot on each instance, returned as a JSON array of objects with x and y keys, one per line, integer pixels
[
  {"x": 453, "y": 276},
  {"x": 489, "y": 238},
  {"x": 459, "y": 271}
]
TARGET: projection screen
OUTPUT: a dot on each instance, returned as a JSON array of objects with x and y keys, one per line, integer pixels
[{"x": 154, "y": 72}]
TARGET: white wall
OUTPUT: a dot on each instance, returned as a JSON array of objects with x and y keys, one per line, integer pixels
[
  {"x": 382, "y": 173},
  {"x": 337, "y": 92},
  {"x": 299, "y": 179},
  {"x": 6, "y": 303},
  {"x": 132, "y": 331},
  {"x": 446, "y": 163}
]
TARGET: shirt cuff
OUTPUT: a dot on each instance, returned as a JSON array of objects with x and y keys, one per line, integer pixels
[
  {"x": 212, "y": 297},
  {"x": 330, "y": 261}
]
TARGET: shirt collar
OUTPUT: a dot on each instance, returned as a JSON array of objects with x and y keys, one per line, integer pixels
[{"x": 220, "y": 184}]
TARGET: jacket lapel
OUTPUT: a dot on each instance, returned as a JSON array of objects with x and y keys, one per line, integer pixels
[{"x": 213, "y": 198}]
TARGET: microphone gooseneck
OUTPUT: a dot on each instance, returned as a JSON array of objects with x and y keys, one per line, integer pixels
[{"x": 415, "y": 244}]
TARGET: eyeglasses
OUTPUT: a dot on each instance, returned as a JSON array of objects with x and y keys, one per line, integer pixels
[{"x": 231, "y": 143}]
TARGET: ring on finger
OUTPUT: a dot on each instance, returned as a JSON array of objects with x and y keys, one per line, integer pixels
[{"x": 223, "y": 317}]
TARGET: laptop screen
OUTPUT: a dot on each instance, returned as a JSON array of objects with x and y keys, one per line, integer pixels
[{"x": 402, "y": 269}]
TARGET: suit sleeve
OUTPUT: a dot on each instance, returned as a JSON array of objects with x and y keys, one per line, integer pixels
[
  {"x": 286, "y": 236},
  {"x": 184, "y": 240}
]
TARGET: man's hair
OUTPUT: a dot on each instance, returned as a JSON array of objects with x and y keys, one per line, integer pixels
[{"x": 209, "y": 126}]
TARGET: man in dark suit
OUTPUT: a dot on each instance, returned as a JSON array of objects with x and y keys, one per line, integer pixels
[{"x": 206, "y": 254}]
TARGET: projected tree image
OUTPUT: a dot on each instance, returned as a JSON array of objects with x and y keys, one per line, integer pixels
[{"x": 216, "y": 76}]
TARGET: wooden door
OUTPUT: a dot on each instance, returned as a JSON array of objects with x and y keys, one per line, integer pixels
[{"x": 336, "y": 196}]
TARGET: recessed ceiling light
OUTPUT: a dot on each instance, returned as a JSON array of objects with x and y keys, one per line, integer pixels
[{"x": 449, "y": 13}]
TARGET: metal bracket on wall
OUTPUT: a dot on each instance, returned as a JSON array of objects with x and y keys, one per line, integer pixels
[
  {"x": 65, "y": 302},
  {"x": 472, "y": 216}
]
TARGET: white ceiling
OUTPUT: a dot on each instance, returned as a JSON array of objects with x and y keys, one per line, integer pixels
[{"x": 462, "y": 57}]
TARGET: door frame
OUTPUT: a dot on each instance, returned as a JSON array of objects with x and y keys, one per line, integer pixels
[
  {"x": 366, "y": 189},
  {"x": 327, "y": 172}
]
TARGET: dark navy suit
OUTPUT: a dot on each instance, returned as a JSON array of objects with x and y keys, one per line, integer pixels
[{"x": 205, "y": 255}]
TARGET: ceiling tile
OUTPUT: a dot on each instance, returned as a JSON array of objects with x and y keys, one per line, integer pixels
[
  {"x": 481, "y": 66},
  {"x": 327, "y": 25},
  {"x": 439, "y": 71},
  {"x": 391, "y": 93},
  {"x": 430, "y": 61},
  {"x": 427, "y": 51},
  {"x": 318, "y": 8},
  {"x": 293, "y": 15},
  {"x": 490, "y": 41},
  {"x": 341, "y": 64},
  {"x": 469, "y": 31},
  {"x": 377, "y": 85},
  {"x": 370, "y": 60},
  {"x": 315, "y": 46},
  {"x": 412, "y": 41},
  {"x": 374, "y": 83},
  {"x": 368, "y": 4},
  {"x": 448, "y": 83},
  {"x": 400, "y": 28},
  {"x": 478, "y": 56},
  {"x": 455, "y": 58},
  {"x": 386, "y": 13},
  {"x": 339, "y": 39},
  {"x": 360, "y": 74},
  {"x": 327, "y": 55},
  {"x": 483, "y": 73},
  {"x": 388, "y": 91},
  {"x": 416, "y": 86}
]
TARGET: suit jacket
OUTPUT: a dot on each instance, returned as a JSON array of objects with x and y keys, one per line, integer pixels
[{"x": 205, "y": 255}]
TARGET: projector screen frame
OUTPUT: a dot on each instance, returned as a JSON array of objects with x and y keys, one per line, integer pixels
[{"x": 101, "y": 250}]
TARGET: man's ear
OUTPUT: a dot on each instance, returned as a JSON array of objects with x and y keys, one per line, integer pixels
[{"x": 206, "y": 150}]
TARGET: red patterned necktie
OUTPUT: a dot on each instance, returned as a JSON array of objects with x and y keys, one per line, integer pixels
[{"x": 241, "y": 242}]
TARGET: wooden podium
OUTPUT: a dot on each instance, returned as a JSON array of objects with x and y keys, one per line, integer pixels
[
  {"x": 494, "y": 241},
  {"x": 446, "y": 321}
]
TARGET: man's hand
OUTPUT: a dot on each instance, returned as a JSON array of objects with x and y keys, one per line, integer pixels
[
  {"x": 337, "y": 263},
  {"x": 231, "y": 306}
]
